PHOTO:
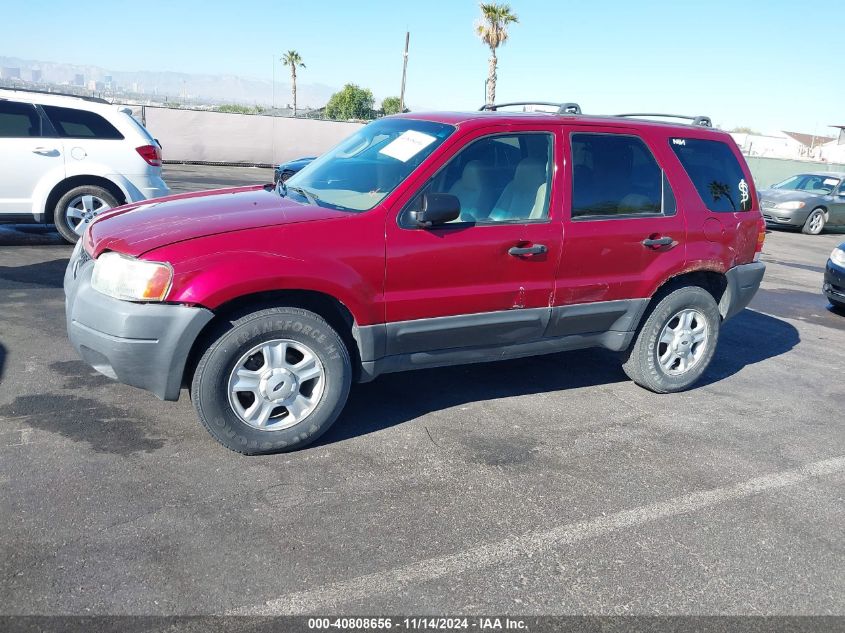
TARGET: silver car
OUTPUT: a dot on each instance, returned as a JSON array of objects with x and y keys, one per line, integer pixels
[{"x": 807, "y": 201}]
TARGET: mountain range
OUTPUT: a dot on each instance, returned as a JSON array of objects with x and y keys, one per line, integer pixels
[{"x": 211, "y": 88}]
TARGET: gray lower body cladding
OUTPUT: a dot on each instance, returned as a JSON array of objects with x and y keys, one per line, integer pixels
[
  {"x": 472, "y": 338},
  {"x": 743, "y": 283},
  {"x": 143, "y": 345}
]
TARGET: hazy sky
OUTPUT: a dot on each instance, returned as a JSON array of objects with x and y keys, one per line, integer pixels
[{"x": 770, "y": 65}]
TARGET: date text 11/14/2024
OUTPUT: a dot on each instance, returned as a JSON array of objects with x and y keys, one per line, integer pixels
[{"x": 419, "y": 624}]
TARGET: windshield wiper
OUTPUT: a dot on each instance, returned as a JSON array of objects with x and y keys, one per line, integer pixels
[{"x": 311, "y": 197}]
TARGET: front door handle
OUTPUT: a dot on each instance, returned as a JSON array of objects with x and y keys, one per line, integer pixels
[
  {"x": 519, "y": 251},
  {"x": 46, "y": 151},
  {"x": 655, "y": 242}
]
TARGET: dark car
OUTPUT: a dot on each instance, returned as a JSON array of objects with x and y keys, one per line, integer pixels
[
  {"x": 288, "y": 169},
  {"x": 423, "y": 241},
  {"x": 834, "y": 277},
  {"x": 807, "y": 201}
]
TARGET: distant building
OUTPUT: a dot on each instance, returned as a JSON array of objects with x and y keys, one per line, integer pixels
[
  {"x": 11, "y": 72},
  {"x": 78, "y": 80},
  {"x": 810, "y": 143},
  {"x": 787, "y": 145},
  {"x": 36, "y": 75},
  {"x": 834, "y": 151}
]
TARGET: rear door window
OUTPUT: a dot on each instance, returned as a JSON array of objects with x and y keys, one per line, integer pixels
[
  {"x": 616, "y": 175},
  {"x": 72, "y": 123},
  {"x": 715, "y": 172},
  {"x": 19, "y": 120}
]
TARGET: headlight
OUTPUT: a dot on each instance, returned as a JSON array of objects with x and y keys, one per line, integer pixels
[
  {"x": 130, "y": 279},
  {"x": 795, "y": 204},
  {"x": 838, "y": 256}
]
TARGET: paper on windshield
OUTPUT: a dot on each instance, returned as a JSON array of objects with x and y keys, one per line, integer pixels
[
  {"x": 407, "y": 145},
  {"x": 831, "y": 181}
]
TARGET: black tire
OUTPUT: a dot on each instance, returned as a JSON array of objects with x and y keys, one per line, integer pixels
[
  {"x": 837, "y": 305},
  {"x": 810, "y": 227},
  {"x": 210, "y": 384},
  {"x": 641, "y": 363},
  {"x": 59, "y": 211}
]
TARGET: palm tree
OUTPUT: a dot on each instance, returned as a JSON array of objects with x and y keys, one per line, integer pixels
[
  {"x": 294, "y": 60},
  {"x": 492, "y": 28}
]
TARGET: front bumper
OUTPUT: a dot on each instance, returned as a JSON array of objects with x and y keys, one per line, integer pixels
[
  {"x": 145, "y": 345},
  {"x": 834, "y": 282},
  {"x": 743, "y": 283},
  {"x": 774, "y": 217}
]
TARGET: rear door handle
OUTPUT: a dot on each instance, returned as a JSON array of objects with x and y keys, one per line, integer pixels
[
  {"x": 45, "y": 151},
  {"x": 519, "y": 251},
  {"x": 652, "y": 242}
]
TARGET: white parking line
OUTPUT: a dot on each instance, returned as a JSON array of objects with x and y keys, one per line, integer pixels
[{"x": 517, "y": 548}]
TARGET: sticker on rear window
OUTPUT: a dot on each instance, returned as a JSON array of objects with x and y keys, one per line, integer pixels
[
  {"x": 831, "y": 181},
  {"x": 407, "y": 145},
  {"x": 744, "y": 195},
  {"x": 679, "y": 141}
]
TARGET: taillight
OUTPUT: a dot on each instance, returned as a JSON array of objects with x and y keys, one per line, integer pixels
[{"x": 151, "y": 154}]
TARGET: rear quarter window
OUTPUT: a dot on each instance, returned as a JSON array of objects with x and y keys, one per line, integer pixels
[
  {"x": 715, "y": 172},
  {"x": 72, "y": 123}
]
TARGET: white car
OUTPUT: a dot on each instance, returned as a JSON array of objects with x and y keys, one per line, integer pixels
[{"x": 65, "y": 159}]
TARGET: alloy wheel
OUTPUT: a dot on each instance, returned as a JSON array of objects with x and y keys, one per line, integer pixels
[
  {"x": 82, "y": 210},
  {"x": 682, "y": 342},
  {"x": 276, "y": 384}
]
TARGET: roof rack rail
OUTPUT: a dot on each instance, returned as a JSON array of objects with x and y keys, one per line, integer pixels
[
  {"x": 57, "y": 94},
  {"x": 562, "y": 108},
  {"x": 703, "y": 121}
]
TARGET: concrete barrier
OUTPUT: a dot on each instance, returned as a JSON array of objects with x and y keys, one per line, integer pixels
[{"x": 198, "y": 135}]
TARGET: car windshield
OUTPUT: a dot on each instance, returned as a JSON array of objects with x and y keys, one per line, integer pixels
[
  {"x": 364, "y": 168},
  {"x": 809, "y": 182}
]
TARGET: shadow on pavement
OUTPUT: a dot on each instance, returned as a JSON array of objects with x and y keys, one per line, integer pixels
[
  {"x": 29, "y": 235},
  {"x": 396, "y": 398},
  {"x": 41, "y": 275},
  {"x": 748, "y": 338}
]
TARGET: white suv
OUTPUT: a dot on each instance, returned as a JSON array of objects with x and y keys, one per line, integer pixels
[{"x": 65, "y": 159}]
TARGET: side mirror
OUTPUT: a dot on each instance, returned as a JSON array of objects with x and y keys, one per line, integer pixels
[{"x": 436, "y": 208}]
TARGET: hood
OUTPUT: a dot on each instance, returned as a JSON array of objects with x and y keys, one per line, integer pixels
[
  {"x": 786, "y": 195},
  {"x": 135, "y": 229}
]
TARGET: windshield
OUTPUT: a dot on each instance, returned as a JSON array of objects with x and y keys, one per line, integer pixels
[
  {"x": 364, "y": 168},
  {"x": 809, "y": 182}
]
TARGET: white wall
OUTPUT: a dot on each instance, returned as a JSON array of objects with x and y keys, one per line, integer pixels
[
  {"x": 197, "y": 135},
  {"x": 833, "y": 152}
]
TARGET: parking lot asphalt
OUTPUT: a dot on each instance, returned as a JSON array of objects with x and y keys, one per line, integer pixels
[{"x": 547, "y": 485}]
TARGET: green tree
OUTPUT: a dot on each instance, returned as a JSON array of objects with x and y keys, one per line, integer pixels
[
  {"x": 492, "y": 28},
  {"x": 238, "y": 109},
  {"x": 353, "y": 102},
  {"x": 294, "y": 60},
  {"x": 742, "y": 129},
  {"x": 390, "y": 105}
]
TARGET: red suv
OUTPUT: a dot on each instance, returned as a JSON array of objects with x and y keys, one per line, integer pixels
[{"x": 423, "y": 240}]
